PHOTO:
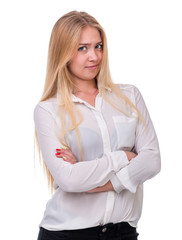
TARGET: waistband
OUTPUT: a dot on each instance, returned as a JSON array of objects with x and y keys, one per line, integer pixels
[{"x": 109, "y": 229}]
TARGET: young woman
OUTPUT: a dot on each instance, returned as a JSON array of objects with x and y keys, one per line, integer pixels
[{"x": 96, "y": 138}]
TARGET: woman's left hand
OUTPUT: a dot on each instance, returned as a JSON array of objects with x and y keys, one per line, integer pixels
[{"x": 66, "y": 154}]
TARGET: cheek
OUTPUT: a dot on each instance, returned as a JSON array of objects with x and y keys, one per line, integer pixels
[
  {"x": 73, "y": 65},
  {"x": 76, "y": 62},
  {"x": 100, "y": 54}
]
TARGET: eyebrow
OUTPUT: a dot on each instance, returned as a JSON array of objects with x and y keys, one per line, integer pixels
[{"x": 89, "y": 43}]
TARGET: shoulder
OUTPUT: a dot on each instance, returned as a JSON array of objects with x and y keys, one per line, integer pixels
[
  {"x": 127, "y": 87},
  {"x": 130, "y": 91},
  {"x": 48, "y": 106}
]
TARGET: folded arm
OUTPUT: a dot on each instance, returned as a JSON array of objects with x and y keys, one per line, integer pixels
[
  {"x": 147, "y": 162},
  {"x": 80, "y": 177}
]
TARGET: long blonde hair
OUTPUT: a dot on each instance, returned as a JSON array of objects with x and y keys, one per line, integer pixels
[{"x": 63, "y": 46}]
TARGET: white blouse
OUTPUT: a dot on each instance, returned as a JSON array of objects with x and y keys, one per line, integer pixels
[{"x": 105, "y": 133}]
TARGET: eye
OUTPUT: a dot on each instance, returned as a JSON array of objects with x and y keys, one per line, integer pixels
[
  {"x": 99, "y": 46},
  {"x": 83, "y": 48}
]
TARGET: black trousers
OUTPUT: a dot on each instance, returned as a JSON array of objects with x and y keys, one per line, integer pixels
[{"x": 118, "y": 231}]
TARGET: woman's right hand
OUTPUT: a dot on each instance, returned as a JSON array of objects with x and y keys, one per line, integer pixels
[
  {"x": 66, "y": 155},
  {"x": 130, "y": 155}
]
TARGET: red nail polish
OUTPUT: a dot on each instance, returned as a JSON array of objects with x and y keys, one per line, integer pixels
[
  {"x": 58, "y": 154},
  {"x": 58, "y": 149}
]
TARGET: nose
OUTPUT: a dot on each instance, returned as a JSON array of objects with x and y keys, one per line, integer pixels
[{"x": 93, "y": 55}]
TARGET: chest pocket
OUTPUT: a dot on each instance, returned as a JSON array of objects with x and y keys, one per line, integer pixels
[{"x": 125, "y": 128}]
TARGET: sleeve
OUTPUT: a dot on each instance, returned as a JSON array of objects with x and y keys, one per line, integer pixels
[
  {"x": 147, "y": 163},
  {"x": 79, "y": 177}
]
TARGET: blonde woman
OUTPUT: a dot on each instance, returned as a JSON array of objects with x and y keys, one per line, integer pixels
[{"x": 96, "y": 139}]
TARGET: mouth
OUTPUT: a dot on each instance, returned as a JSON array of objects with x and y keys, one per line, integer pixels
[{"x": 93, "y": 67}]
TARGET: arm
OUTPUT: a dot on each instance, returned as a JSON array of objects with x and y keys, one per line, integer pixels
[
  {"x": 143, "y": 166},
  {"x": 147, "y": 162},
  {"x": 80, "y": 177},
  {"x": 68, "y": 156},
  {"x": 108, "y": 186}
]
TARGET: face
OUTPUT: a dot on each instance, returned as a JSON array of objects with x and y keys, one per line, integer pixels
[{"x": 85, "y": 65}]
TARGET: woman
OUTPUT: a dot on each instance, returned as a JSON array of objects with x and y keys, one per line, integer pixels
[{"x": 96, "y": 138}]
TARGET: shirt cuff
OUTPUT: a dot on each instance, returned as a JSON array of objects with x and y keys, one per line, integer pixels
[
  {"x": 125, "y": 181},
  {"x": 116, "y": 184},
  {"x": 119, "y": 159}
]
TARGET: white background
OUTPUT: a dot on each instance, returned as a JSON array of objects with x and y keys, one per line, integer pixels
[{"x": 145, "y": 49}]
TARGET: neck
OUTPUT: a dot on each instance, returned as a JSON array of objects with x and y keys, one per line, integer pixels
[{"x": 85, "y": 86}]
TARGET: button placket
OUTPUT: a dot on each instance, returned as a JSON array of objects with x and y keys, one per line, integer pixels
[{"x": 107, "y": 148}]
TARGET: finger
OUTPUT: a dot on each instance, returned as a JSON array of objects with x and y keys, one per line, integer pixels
[
  {"x": 65, "y": 156},
  {"x": 67, "y": 153},
  {"x": 61, "y": 155},
  {"x": 63, "y": 147},
  {"x": 58, "y": 155},
  {"x": 69, "y": 158},
  {"x": 58, "y": 150}
]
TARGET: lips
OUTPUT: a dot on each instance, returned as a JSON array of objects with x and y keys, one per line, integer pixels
[{"x": 93, "y": 67}]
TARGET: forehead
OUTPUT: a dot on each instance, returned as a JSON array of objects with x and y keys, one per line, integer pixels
[{"x": 89, "y": 35}]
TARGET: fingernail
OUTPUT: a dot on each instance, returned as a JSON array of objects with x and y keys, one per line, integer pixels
[
  {"x": 58, "y": 149},
  {"x": 57, "y": 154},
  {"x": 63, "y": 147},
  {"x": 64, "y": 157}
]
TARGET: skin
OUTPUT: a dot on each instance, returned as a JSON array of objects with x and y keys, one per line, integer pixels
[{"x": 84, "y": 67}]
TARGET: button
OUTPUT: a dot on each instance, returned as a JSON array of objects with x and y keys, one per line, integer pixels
[{"x": 104, "y": 229}]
